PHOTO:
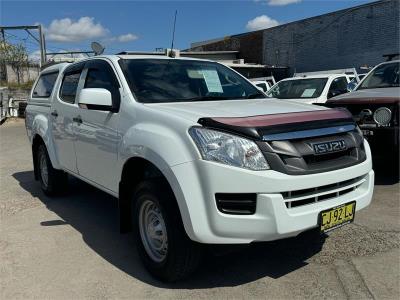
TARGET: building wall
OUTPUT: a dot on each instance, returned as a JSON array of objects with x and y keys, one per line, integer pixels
[
  {"x": 249, "y": 45},
  {"x": 27, "y": 74},
  {"x": 343, "y": 39},
  {"x": 349, "y": 38}
]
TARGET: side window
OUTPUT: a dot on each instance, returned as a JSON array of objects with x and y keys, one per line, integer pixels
[
  {"x": 101, "y": 75},
  {"x": 339, "y": 85},
  {"x": 45, "y": 85},
  {"x": 69, "y": 86}
]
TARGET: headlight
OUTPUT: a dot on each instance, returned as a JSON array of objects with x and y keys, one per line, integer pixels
[
  {"x": 382, "y": 116},
  {"x": 228, "y": 149}
]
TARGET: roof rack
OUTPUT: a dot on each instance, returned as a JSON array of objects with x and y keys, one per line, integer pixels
[
  {"x": 167, "y": 52},
  {"x": 348, "y": 71}
]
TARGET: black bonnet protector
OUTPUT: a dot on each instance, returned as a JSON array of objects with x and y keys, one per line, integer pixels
[{"x": 285, "y": 125}]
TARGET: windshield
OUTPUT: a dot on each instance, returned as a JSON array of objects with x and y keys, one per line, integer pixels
[
  {"x": 386, "y": 75},
  {"x": 298, "y": 88},
  {"x": 175, "y": 80}
]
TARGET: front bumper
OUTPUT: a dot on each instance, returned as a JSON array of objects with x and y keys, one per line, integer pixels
[
  {"x": 197, "y": 182},
  {"x": 384, "y": 141}
]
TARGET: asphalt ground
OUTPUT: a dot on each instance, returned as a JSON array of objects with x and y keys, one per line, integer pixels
[{"x": 70, "y": 247}]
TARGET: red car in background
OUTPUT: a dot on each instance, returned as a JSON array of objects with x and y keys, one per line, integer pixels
[{"x": 375, "y": 105}]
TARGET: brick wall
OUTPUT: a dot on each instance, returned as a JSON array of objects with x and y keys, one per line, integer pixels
[
  {"x": 344, "y": 39},
  {"x": 249, "y": 45}
]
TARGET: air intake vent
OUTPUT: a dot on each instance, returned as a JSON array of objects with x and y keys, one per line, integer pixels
[
  {"x": 308, "y": 196},
  {"x": 236, "y": 204}
]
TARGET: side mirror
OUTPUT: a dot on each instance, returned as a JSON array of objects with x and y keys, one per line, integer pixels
[{"x": 96, "y": 99}]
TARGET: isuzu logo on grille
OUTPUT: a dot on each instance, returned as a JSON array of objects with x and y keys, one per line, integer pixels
[{"x": 329, "y": 147}]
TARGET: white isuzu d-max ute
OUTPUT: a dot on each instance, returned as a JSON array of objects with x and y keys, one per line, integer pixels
[{"x": 195, "y": 154}]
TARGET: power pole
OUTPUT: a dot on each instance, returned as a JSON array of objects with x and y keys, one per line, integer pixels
[
  {"x": 41, "y": 40},
  {"x": 42, "y": 47},
  {"x": 3, "y": 67}
]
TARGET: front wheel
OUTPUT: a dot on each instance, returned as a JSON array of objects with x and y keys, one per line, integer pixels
[{"x": 166, "y": 250}]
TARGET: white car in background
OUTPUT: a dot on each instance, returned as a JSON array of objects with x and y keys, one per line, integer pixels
[{"x": 310, "y": 89}]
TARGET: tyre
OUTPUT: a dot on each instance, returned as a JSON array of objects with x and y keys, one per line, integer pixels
[
  {"x": 52, "y": 181},
  {"x": 165, "y": 249}
]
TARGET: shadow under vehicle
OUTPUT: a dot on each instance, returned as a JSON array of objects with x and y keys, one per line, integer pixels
[{"x": 94, "y": 214}]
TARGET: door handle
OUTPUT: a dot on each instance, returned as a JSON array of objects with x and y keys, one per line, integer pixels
[
  {"x": 54, "y": 113},
  {"x": 77, "y": 119}
]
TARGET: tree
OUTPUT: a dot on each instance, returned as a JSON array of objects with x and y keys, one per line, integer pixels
[{"x": 16, "y": 56}]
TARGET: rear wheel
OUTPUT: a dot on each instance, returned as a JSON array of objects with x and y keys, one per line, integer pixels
[
  {"x": 52, "y": 181},
  {"x": 165, "y": 249}
]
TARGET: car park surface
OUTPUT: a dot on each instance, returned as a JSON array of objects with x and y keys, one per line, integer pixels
[{"x": 69, "y": 247}]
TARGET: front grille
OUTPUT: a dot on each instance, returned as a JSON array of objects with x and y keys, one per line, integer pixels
[
  {"x": 312, "y": 159},
  {"x": 236, "y": 204},
  {"x": 298, "y": 157},
  {"x": 309, "y": 196}
]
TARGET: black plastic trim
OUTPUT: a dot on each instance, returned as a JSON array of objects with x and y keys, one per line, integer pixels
[
  {"x": 257, "y": 133},
  {"x": 236, "y": 203}
]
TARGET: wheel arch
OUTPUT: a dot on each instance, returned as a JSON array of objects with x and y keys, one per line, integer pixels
[
  {"x": 41, "y": 128},
  {"x": 136, "y": 169}
]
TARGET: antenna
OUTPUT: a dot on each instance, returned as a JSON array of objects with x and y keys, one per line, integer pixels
[{"x": 173, "y": 31}]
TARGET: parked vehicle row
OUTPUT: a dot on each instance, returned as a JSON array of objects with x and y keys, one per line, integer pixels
[
  {"x": 354, "y": 81},
  {"x": 375, "y": 103},
  {"x": 310, "y": 89},
  {"x": 196, "y": 154}
]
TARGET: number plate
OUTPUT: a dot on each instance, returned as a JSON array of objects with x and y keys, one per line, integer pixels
[{"x": 337, "y": 217}]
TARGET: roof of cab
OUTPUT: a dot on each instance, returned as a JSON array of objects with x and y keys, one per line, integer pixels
[
  {"x": 59, "y": 66},
  {"x": 149, "y": 56},
  {"x": 315, "y": 76},
  {"x": 55, "y": 67}
]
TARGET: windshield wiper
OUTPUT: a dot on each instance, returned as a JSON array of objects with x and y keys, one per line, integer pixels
[
  {"x": 216, "y": 98},
  {"x": 255, "y": 96},
  {"x": 205, "y": 98}
]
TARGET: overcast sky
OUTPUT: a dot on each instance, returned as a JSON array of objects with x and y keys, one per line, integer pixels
[{"x": 146, "y": 25}]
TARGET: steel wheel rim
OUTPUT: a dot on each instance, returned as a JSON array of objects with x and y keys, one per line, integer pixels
[
  {"x": 44, "y": 172},
  {"x": 153, "y": 231}
]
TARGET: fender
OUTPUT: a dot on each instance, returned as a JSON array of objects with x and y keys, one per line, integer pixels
[
  {"x": 41, "y": 127},
  {"x": 136, "y": 143}
]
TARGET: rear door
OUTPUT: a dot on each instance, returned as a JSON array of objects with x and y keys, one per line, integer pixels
[
  {"x": 97, "y": 136},
  {"x": 64, "y": 111},
  {"x": 39, "y": 101}
]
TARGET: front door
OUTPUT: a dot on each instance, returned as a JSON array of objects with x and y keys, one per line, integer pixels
[{"x": 97, "y": 137}]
